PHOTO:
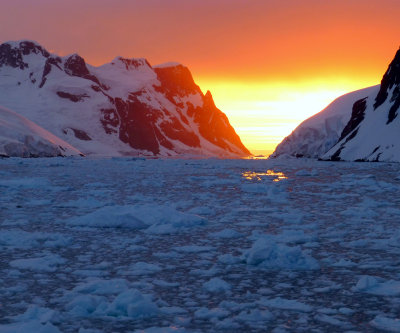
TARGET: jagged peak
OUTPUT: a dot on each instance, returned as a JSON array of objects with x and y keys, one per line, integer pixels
[
  {"x": 75, "y": 65},
  {"x": 208, "y": 99},
  {"x": 390, "y": 79},
  {"x": 12, "y": 52},
  {"x": 27, "y": 47}
]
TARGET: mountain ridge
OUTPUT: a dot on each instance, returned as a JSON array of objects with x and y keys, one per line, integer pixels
[{"x": 125, "y": 107}]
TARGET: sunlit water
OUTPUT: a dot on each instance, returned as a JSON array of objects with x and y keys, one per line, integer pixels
[{"x": 343, "y": 219}]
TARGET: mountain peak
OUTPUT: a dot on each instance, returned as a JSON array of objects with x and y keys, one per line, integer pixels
[
  {"x": 390, "y": 79},
  {"x": 75, "y": 65},
  {"x": 12, "y": 53},
  {"x": 177, "y": 79}
]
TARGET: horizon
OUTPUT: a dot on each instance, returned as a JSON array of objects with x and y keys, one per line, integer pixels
[{"x": 264, "y": 62}]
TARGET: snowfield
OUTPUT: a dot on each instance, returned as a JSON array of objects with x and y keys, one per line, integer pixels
[{"x": 154, "y": 245}]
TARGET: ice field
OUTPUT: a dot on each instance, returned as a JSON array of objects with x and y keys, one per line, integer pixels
[{"x": 125, "y": 245}]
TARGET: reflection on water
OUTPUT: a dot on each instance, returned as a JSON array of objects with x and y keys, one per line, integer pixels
[{"x": 251, "y": 175}]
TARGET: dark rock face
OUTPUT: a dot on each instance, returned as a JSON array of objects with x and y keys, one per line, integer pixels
[
  {"x": 214, "y": 125},
  {"x": 76, "y": 66},
  {"x": 357, "y": 116},
  {"x": 79, "y": 134},
  {"x": 164, "y": 112},
  {"x": 11, "y": 57},
  {"x": 72, "y": 97},
  {"x": 390, "y": 79}
]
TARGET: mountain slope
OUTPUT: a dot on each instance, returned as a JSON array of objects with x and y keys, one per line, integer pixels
[
  {"x": 126, "y": 107},
  {"x": 316, "y": 135},
  {"x": 373, "y": 131},
  {"x": 19, "y": 137}
]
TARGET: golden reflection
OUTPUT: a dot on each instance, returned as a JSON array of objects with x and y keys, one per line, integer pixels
[{"x": 251, "y": 175}]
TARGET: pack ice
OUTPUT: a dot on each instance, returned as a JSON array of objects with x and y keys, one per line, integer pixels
[{"x": 159, "y": 245}]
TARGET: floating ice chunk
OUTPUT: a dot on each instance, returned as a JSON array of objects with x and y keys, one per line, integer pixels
[
  {"x": 229, "y": 259},
  {"x": 295, "y": 237},
  {"x": 254, "y": 315},
  {"x": 28, "y": 327},
  {"x": 84, "y": 203},
  {"x": 144, "y": 268},
  {"x": 173, "y": 329},
  {"x": 331, "y": 320},
  {"x": 85, "y": 305},
  {"x": 285, "y": 304},
  {"x": 43, "y": 315},
  {"x": 202, "y": 210},
  {"x": 194, "y": 248},
  {"x": 216, "y": 285},
  {"x": 227, "y": 233},
  {"x": 386, "y": 324},
  {"x": 344, "y": 263},
  {"x": 166, "y": 284},
  {"x": 132, "y": 304},
  {"x": 48, "y": 263},
  {"x": 205, "y": 313},
  {"x": 274, "y": 191},
  {"x": 267, "y": 254},
  {"x": 35, "y": 319},
  {"x": 157, "y": 219},
  {"x": 372, "y": 285},
  {"x": 102, "y": 287},
  {"x": 23, "y": 239}
]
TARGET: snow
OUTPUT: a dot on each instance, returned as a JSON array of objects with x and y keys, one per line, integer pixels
[
  {"x": 381, "y": 146},
  {"x": 20, "y": 137},
  {"x": 317, "y": 134},
  {"x": 155, "y": 245}
]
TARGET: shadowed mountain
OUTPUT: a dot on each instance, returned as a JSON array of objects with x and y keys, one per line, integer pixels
[
  {"x": 360, "y": 126},
  {"x": 373, "y": 131}
]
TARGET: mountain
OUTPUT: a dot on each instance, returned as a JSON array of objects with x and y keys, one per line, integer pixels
[
  {"x": 316, "y": 135},
  {"x": 125, "y": 107},
  {"x": 20, "y": 137},
  {"x": 373, "y": 131}
]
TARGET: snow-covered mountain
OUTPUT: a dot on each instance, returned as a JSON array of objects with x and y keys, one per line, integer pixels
[
  {"x": 360, "y": 126},
  {"x": 316, "y": 135},
  {"x": 126, "y": 107},
  {"x": 20, "y": 137},
  {"x": 373, "y": 132}
]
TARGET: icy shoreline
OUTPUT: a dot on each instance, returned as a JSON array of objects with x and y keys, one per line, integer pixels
[{"x": 127, "y": 244}]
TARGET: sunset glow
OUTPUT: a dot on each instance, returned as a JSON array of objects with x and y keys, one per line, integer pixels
[
  {"x": 268, "y": 64},
  {"x": 264, "y": 113}
]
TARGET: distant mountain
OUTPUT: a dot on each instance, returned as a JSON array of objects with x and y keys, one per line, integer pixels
[
  {"x": 19, "y": 137},
  {"x": 316, "y": 135},
  {"x": 126, "y": 107},
  {"x": 373, "y": 131}
]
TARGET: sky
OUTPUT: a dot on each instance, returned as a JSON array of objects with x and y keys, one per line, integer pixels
[{"x": 269, "y": 64}]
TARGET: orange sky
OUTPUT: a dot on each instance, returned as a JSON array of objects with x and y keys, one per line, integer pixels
[{"x": 269, "y": 64}]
